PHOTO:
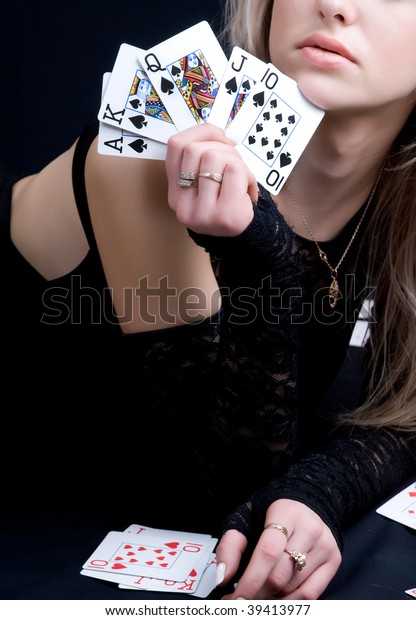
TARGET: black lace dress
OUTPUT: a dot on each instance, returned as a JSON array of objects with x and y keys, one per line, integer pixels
[{"x": 177, "y": 428}]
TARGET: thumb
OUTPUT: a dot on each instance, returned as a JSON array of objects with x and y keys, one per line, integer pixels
[{"x": 229, "y": 553}]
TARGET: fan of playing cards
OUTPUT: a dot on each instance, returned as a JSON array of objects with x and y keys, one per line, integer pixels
[
  {"x": 145, "y": 558},
  {"x": 187, "y": 80}
]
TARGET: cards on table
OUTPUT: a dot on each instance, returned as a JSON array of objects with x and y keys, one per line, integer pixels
[
  {"x": 401, "y": 507},
  {"x": 146, "y": 558},
  {"x": 186, "y": 81}
]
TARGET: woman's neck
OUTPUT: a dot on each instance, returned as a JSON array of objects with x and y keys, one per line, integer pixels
[{"x": 335, "y": 174}]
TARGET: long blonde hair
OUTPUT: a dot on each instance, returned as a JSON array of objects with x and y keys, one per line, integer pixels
[{"x": 391, "y": 393}]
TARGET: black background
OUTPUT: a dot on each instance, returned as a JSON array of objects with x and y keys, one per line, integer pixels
[{"x": 53, "y": 55}]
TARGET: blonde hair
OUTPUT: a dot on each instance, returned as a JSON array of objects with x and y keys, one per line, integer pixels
[
  {"x": 246, "y": 23},
  {"x": 391, "y": 394}
]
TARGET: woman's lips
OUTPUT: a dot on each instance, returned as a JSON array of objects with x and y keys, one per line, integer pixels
[{"x": 325, "y": 52}]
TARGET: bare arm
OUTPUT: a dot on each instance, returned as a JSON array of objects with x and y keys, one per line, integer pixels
[{"x": 157, "y": 275}]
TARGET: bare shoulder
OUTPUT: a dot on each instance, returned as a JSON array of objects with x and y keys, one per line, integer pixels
[
  {"x": 147, "y": 254},
  {"x": 45, "y": 226}
]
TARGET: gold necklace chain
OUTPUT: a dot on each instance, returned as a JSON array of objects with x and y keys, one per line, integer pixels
[{"x": 334, "y": 290}]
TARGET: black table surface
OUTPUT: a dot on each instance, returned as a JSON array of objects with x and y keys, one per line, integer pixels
[{"x": 42, "y": 554}]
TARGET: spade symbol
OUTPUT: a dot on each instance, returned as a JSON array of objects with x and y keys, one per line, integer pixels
[
  {"x": 266, "y": 116},
  {"x": 270, "y": 155},
  {"x": 246, "y": 85},
  {"x": 166, "y": 86},
  {"x": 284, "y": 131},
  {"x": 277, "y": 143},
  {"x": 259, "y": 127},
  {"x": 258, "y": 100},
  {"x": 138, "y": 145},
  {"x": 291, "y": 119},
  {"x": 231, "y": 86},
  {"x": 273, "y": 104},
  {"x": 175, "y": 70},
  {"x": 279, "y": 118},
  {"x": 285, "y": 159},
  {"x": 252, "y": 140},
  {"x": 264, "y": 141},
  {"x": 139, "y": 121},
  {"x": 136, "y": 103}
]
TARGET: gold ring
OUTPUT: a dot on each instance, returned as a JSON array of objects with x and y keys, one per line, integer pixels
[
  {"x": 277, "y": 526},
  {"x": 214, "y": 176},
  {"x": 187, "y": 183},
  {"x": 188, "y": 176},
  {"x": 299, "y": 559}
]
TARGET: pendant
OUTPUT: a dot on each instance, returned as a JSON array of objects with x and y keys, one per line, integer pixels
[{"x": 334, "y": 293}]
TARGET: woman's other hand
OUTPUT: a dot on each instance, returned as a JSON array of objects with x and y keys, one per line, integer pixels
[{"x": 271, "y": 572}]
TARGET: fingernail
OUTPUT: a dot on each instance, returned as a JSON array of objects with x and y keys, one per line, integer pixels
[
  {"x": 221, "y": 568},
  {"x": 240, "y": 598}
]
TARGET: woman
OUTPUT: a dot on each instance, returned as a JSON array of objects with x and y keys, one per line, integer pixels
[
  {"x": 359, "y": 162},
  {"x": 246, "y": 375}
]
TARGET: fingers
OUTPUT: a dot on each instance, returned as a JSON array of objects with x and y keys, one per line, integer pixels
[
  {"x": 312, "y": 587},
  {"x": 295, "y": 559},
  {"x": 229, "y": 553},
  {"x": 268, "y": 570},
  {"x": 216, "y": 197}
]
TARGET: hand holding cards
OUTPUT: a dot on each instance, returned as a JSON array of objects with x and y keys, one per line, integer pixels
[
  {"x": 146, "y": 558},
  {"x": 187, "y": 80}
]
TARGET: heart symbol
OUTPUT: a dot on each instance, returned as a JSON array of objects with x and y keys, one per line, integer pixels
[
  {"x": 158, "y": 550},
  {"x": 172, "y": 552},
  {"x": 150, "y": 562},
  {"x": 141, "y": 548},
  {"x": 118, "y": 566},
  {"x": 160, "y": 558},
  {"x": 132, "y": 560},
  {"x": 172, "y": 545},
  {"x": 118, "y": 558},
  {"x": 128, "y": 547},
  {"x": 193, "y": 573},
  {"x": 130, "y": 553},
  {"x": 164, "y": 565}
]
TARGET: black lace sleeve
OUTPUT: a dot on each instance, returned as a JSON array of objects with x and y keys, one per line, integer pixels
[
  {"x": 347, "y": 478},
  {"x": 247, "y": 426}
]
